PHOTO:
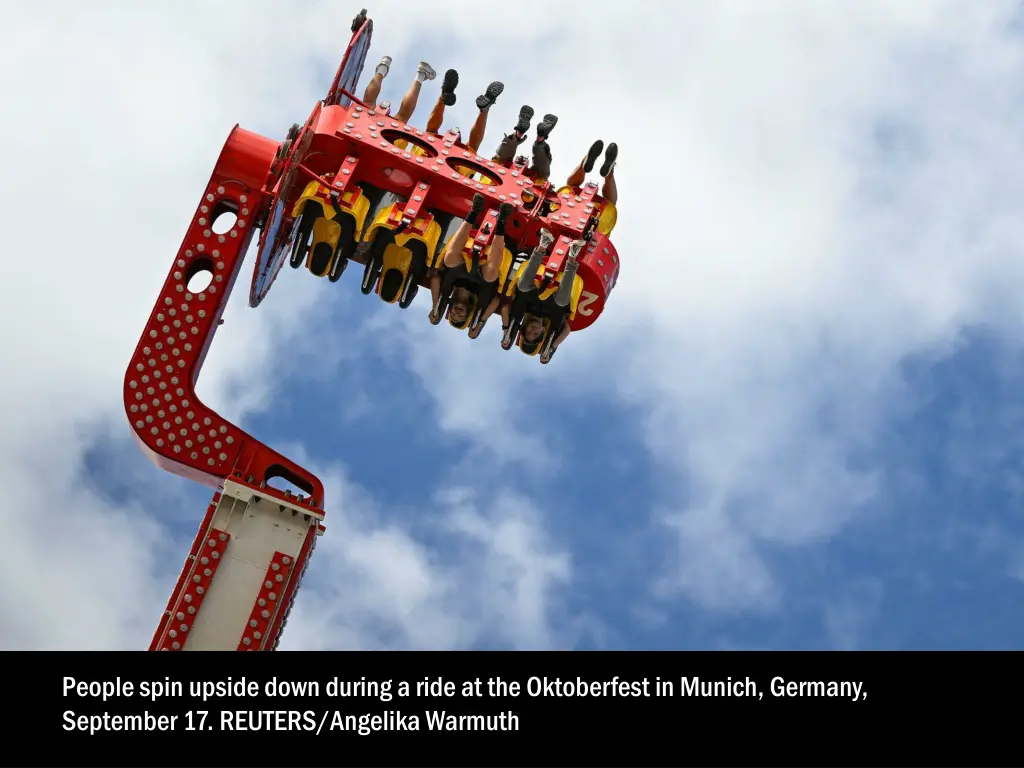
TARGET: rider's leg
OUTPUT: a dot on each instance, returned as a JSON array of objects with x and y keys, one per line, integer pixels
[
  {"x": 424, "y": 72},
  {"x": 372, "y": 92},
  {"x": 435, "y": 294},
  {"x": 446, "y": 99},
  {"x": 492, "y": 267},
  {"x": 488, "y": 311},
  {"x": 483, "y": 103},
  {"x": 564, "y": 295},
  {"x": 453, "y": 249},
  {"x": 541, "y": 164},
  {"x": 446, "y": 283},
  {"x": 586, "y": 165},
  {"x": 525, "y": 282},
  {"x": 563, "y": 334},
  {"x": 507, "y": 149},
  {"x": 610, "y": 192}
]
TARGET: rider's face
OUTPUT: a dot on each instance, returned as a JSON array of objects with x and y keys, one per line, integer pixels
[
  {"x": 533, "y": 330},
  {"x": 457, "y": 313}
]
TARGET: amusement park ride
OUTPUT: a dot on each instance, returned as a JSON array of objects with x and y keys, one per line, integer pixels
[{"x": 351, "y": 184}]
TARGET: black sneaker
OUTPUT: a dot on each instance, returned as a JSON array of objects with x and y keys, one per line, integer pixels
[
  {"x": 448, "y": 85},
  {"x": 609, "y": 159},
  {"x": 592, "y": 154},
  {"x": 525, "y": 116},
  {"x": 546, "y": 126},
  {"x": 490, "y": 95},
  {"x": 476, "y": 208}
]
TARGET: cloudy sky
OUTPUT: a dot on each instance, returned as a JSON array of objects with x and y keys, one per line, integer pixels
[{"x": 798, "y": 424}]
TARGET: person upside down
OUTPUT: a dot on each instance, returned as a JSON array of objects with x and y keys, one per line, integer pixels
[
  {"x": 505, "y": 154},
  {"x": 447, "y": 98},
  {"x": 605, "y": 225},
  {"x": 465, "y": 293},
  {"x": 609, "y": 190},
  {"x": 540, "y": 166},
  {"x": 532, "y": 329}
]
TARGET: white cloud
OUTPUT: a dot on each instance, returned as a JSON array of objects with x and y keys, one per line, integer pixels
[{"x": 495, "y": 582}]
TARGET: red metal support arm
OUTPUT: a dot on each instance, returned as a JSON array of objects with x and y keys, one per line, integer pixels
[{"x": 180, "y": 433}]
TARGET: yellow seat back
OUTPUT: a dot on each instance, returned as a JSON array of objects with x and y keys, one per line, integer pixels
[
  {"x": 506, "y": 275},
  {"x": 430, "y": 238},
  {"x": 357, "y": 203},
  {"x": 384, "y": 220},
  {"x": 397, "y": 264},
  {"x": 609, "y": 217},
  {"x": 310, "y": 194},
  {"x": 326, "y": 231},
  {"x": 397, "y": 257},
  {"x": 360, "y": 208},
  {"x": 380, "y": 221},
  {"x": 577, "y": 291}
]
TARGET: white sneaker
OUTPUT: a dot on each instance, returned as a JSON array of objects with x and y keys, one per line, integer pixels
[
  {"x": 426, "y": 70},
  {"x": 575, "y": 247},
  {"x": 384, "y": 67}
]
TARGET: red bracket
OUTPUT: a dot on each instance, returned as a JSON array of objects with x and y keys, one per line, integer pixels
[
  {"x": 587, "y": 193},
  {"x": 576, "y": 206},
  {"x": 268, "y": 602},
  {"x": 555, "y": 261},
  {"x": 453, "y": 137},
  {"x": 180, "y": 617},
  {"x": 343, "y": 179},
  {"x": 291, "y": 589},
  {"x": 411, "y": 212},
  {"x": 177, "y": 431},
  {"x": 485, "y": 232}
]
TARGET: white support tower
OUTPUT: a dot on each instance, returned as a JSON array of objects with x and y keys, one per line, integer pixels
[{"x": 237, "y": 587}]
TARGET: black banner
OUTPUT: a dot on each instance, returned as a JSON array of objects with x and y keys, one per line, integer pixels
[{"x": 512, "y": 709}]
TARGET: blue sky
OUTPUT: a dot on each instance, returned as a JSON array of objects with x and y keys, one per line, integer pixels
[{"x": 811, "y": 441}]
